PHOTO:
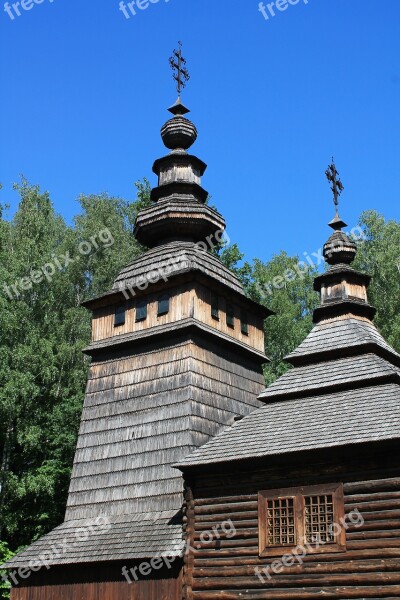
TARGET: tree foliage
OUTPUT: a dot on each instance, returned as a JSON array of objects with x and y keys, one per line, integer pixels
[
  {"x": 285, "y": 286},
  {"x": 379, "y": 256},
  {"x": 44, "y": 329}
]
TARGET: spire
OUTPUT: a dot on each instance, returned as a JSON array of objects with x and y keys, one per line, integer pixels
[
  {"x": 343, "y": 290},
  {"x": 180, "y": 211}
]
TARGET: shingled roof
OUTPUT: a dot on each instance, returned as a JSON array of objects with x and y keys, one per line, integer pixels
[
  {"x": 344, "y": 387},
  {"x": 108, "y": 538},
  {"x": 310, "y": 423},
  {"x": 344, "y": 336},
  {"x": 335, "y": 402},
  {"x": 176, "y": 258}
]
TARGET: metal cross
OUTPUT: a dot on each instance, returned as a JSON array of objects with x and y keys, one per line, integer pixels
[
  {"x": 178, "y": 66},
  {"x": 337, "y": 188}
]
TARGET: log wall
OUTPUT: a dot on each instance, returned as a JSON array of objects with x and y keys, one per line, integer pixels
[{"x": 225, "y": 568}]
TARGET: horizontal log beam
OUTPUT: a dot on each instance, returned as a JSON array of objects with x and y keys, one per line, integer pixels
[
  {"x": 278, "y": 581},
  {"x": 346, "y": 566},
  {"x": 388, "y": 592},
  {"x": 227, "y": 508},
  {"x": 250, "y": 559},
  {"x": 372, "y": 486}
]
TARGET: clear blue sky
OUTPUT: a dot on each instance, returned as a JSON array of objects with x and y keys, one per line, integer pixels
[{"x": 84, "y": 93}]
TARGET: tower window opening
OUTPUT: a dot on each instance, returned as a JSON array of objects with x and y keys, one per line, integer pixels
[
  {"x": 163, "y": 304},
  {"x": 119, "y": 316},
  {"x": 141, "y": 310},
  {"x": 230, "y": 315},
  {"x": 215, "y": 307},
  {"x": 244, "y": 322}
]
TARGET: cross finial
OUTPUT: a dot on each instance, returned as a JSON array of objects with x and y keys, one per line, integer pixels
[
  {"x": 178, "y": 66},
  {"x": 337, "y": 188}
]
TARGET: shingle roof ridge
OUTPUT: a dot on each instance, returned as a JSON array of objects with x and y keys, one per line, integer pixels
[
  {"x": 331, "y": 373},
  {"x": 325, "y": 337}
]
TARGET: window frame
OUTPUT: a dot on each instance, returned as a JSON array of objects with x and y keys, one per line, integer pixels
[
  {"x": 118, "y": 311},
  {"x": 299, "y": 494}
]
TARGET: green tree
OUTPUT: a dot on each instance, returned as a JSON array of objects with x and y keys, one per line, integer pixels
[
  {"x": 285, "y": 286},
  {"x": 379, "y": 255},
  {"x": 5, "y": 554},
  {"x": 44, "y": 329}
]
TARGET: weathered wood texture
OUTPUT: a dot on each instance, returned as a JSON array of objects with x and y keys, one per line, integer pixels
[
  {"x": 146, "y": 409},
  {"x": 188, "y": 300},
  {"x": 181, "y": 303},
  {"x": 343, "y": 289},
  {"x": 255, "y": 337},
  {"x": 102, "y": 582},
  {"x": 225, "y": 567}
]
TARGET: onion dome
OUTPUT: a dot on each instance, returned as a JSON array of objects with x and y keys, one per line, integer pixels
[
  {"x": 179, "y": 133},
  {"x": 339, "y": 249}
]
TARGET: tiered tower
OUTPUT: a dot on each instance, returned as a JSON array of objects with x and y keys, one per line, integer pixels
[{"x": 177, "y": 352}]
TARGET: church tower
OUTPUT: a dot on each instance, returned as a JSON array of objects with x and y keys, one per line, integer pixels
[{"x": 177, "y": 352}]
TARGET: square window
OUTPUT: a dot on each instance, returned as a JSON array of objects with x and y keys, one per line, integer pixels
[
  {"x": 120, "y": 316},
  {"x": 297, "y": 516},
  {"x": 163, "y": 304},
  {"x": 141, "y": 310}
]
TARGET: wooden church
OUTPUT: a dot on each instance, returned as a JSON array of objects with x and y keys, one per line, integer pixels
[{"x": 190, "y": 480}]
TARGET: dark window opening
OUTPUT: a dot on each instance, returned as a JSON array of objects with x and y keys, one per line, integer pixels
[
  {"x": 163, "y": 304},
  {"x": 120, "y": 315},
  {"x": 141, "y": 310},
  {"x": 230, "y": 315},
  {"x": 215, "y": 307},
  {"x": 244, "y": 322}
]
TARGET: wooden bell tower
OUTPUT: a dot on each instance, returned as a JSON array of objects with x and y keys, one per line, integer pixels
[{"x": 177, "y": 352}]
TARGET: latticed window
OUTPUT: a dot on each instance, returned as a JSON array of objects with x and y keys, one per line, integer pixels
[
  {"x": 280, "y": 522},
  {"x": 307, "y": 516},
  {"x": 318, "y": 518}
]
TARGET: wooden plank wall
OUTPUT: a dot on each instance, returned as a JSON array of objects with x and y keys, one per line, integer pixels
[
  {"x": 186, "y": 301},
  {"x": 224, "y": 569},
  {"x": 104, "y": 582},
  {"x": 255, "y": 337},
  {"x": 147, "y": 408},
  {"x": 180, "y": 308}
]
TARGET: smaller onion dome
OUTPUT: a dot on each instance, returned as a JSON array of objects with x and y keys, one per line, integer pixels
[
  {"x": 179, "y": 133},
  {"x": 339, "y": 249}
]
